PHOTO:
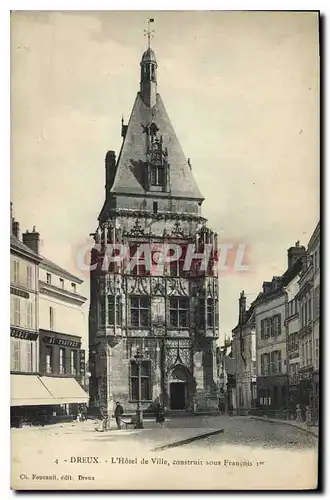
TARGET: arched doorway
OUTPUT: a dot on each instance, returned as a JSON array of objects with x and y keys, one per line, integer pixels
[{"x": 179, "y": 388}]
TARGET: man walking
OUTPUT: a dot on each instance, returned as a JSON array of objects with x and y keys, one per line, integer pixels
[{"x": 118, "y": 414}]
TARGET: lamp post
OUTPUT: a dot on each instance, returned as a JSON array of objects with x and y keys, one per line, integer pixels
[{"x": 139, "y": 414}]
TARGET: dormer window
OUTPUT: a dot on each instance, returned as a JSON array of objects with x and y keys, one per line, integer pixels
[
  {"x": 157, "y": 176},
  {"x": 156, "y": 158}
]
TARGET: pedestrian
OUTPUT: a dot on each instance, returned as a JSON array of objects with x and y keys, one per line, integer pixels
[
  {"x": 104, "y": 420},
  {"x": 160, "y": 417},
  {"x": 119, "y": 410},
  {"x": 221, "y": 407}
]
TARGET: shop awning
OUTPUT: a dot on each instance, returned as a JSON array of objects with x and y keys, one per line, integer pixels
[
  {"x": 64, "y": 390},
  {"x": 27, "y": 390}
]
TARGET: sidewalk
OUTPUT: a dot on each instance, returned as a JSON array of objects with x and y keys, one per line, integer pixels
[
  {"x": 151, "y": 437},
  {"x": 313, "y": 429}
]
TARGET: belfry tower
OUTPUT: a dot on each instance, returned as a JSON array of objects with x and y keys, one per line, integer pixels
[{"x": 168, "y": 311}]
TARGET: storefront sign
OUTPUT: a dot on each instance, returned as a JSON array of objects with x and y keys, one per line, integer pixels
[
  {"x": 22, "y": 334},
  {"x": 19, "y": 293},
  {"x": 62, "y": 342}
]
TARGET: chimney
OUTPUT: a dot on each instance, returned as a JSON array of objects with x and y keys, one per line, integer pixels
[
  {"x": 266, "y": 287},
  {"x": 32, "y": 240},
  {"x": 242, "y": 307},
  {"x": 15, "y": 228},
  {"x": 110, "y": 170},
  {"x": 295, "y": 253}
]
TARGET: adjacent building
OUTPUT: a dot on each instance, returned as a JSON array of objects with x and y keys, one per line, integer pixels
[
  {"x": 47, "y": 325},
  {"x": 165, "y": 311},
  {"x": 24, "y": 324},
  {"x": 226, "y": 377},
  {"x": 309, "y": 312},
  {"x": 292, "y": 326},
  {"x": 244, "y": 354},
  {"x": 271, "y": 336}
]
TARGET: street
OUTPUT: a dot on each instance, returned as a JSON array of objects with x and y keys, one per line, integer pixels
[{"x": 247, "y": 454}]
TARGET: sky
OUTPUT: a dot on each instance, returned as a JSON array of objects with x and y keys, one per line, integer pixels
[{"x": 241, "y": 90}]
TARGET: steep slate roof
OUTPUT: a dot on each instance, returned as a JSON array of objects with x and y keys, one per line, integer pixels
[{"x": 131, "y": 162}]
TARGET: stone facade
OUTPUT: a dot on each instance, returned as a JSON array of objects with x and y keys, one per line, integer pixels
[
  {"x": 271, "y": 336},
  {"x": 168, "y": 312}
]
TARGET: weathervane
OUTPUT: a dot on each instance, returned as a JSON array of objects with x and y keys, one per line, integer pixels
[{"x": 149, "y": 33}]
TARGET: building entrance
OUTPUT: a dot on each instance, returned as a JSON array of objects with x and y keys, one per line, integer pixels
[{"x": 177, "y": 396}]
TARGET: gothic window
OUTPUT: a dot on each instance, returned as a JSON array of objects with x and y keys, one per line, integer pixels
[
  {"x": 145, "y": 375},
  {"x": 140, "y": 307},
  {"x": 138, "y": 266},
  {"x": 210, "y": 313},
  {"x": 179, "y": 308},
  {"x": 177, "y": 265},
  {"x": 114, "y": 310}
]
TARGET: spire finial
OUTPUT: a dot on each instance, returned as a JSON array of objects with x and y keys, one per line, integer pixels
[{"x": 149, "y": 32}]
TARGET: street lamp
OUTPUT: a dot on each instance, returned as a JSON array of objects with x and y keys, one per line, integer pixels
[{"x": 139, "y": 413}]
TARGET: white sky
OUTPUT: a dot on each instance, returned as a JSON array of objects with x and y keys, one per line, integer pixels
[{"x": 241, "y": 89}]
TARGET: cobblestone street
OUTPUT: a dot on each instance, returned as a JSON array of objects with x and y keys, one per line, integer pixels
[{"x": 246, "y": 446}]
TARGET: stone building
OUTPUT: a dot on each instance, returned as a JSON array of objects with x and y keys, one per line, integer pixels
[
  {"x": 244, "y": 354},
  {"x": 47, "y": 325},
  {"x": 271, "y": 336},
  {"x": 309, "y": 301},
  {"x": 167, "y": 310}
]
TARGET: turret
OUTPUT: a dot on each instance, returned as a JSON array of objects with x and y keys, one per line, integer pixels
[{"x": 148, "y": 83}]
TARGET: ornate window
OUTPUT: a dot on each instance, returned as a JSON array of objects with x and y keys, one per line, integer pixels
[
  {"x": 114, "y": 310},
  {"x": 177, "y": 266},
  {"x": 157, "y": 175},
  {"x": 210, "y": 312},
  {"x": 140, "y": 267},
  {"x": 179, "y": 311},
  {"x": 156, "y": 157},
  {"x": 145, "y": 375},
  {"x": 140, "y": 307}
]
